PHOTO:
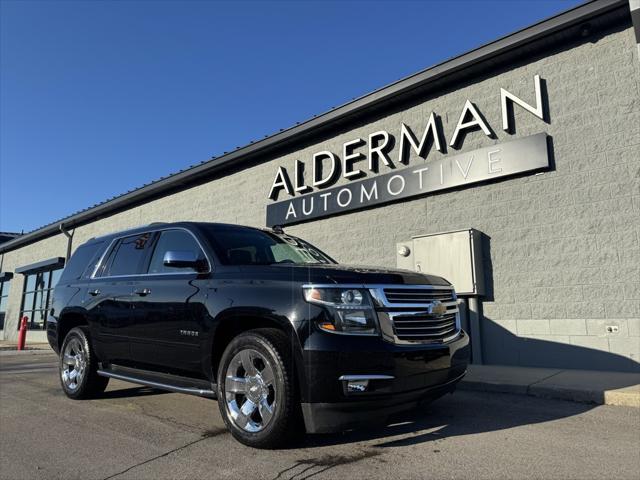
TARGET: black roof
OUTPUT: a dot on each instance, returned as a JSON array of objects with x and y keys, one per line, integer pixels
[
  {"x": 560, "y": 29},
  {"x": 165, "y": 225}
]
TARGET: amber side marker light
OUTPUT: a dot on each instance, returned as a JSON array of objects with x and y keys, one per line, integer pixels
[{"x": 327, "y": 326}]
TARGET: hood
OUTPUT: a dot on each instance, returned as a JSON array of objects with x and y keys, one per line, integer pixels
[{"x": 335, "y": 273}]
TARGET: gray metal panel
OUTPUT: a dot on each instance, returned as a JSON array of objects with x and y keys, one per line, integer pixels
[{"x": 456, "y": 256}]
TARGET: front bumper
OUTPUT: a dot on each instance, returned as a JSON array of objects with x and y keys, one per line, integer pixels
[
  {"x": 411, "y": 375},
  {"x": 335, "y": 417}
]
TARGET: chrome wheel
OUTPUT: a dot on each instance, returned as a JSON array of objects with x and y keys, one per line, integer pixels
[
  {"x": 74, "y": 362},
  {"x": 250, "y": 390}
]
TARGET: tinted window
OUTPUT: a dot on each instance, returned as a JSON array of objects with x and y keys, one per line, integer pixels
[
  {"x": 128, "y": 256},
  {"x": 248, "y": 246},
  {"x": 84, "y": 259},
  {"x": 173, "y": 240}
]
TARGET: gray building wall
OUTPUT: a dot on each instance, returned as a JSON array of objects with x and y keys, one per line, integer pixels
[{"x": 563, "y": 250}]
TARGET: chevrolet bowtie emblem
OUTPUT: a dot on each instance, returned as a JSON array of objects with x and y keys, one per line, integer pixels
[{"x": 437, "y": 308}]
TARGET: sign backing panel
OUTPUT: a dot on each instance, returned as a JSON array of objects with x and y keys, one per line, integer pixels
[{"x": 523, "y": 155}]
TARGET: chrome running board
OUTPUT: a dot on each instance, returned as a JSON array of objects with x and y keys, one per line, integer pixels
[{"x": 163, "y": 386}]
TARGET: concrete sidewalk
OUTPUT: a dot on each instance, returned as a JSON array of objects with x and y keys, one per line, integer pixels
[{"x": 587, "y": 386}]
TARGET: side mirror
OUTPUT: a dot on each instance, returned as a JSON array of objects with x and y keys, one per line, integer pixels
[{"x": 181, "y": 259}]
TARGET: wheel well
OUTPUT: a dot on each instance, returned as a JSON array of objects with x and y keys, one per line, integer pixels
[
  {"x": 66, "y": 323},
  {"x": 234, "y": 326}
]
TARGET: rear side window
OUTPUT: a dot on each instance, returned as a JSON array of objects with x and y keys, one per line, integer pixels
[
  {"x": 173, "y": 240},
  {"x": 128, "y": 256},
  {"x": 82, "y": 262}
]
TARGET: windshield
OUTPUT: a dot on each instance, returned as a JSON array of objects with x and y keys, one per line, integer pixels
[{"x": 246, "y": 246}]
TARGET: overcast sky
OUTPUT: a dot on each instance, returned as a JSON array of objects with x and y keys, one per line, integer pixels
[{"x": 100, "y": 97}]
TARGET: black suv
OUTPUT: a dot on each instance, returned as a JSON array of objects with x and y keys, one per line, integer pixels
[{"x": 263, "y": 321}]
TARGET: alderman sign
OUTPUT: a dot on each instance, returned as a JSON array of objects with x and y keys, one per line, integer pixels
[
  {"x": 316, "y": 196},
  {"x": 526, "y": 154}
]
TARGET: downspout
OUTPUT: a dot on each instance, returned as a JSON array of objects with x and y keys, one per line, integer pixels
[{"x": 69, "y": 240}]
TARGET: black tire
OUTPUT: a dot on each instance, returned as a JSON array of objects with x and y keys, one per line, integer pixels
[
  {"x": 272, "y": 346},
  {"x": 77, "y": 345}
]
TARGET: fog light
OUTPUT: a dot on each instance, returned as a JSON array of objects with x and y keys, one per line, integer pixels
[{"x": 357, "y": 385}]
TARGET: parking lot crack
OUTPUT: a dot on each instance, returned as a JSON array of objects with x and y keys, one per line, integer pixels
[
  {"x": 170, "y": 420},
  {"x": 542, "y": 380},
  {"x": 165, "y": 454}
]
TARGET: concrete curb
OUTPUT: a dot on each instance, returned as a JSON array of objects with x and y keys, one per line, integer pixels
[
  {"x": 625, "y": 397},
  {"x": 601, "y": 388}
]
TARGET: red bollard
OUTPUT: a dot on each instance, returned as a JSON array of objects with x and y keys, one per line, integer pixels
[{"x": 22, "y": 334}]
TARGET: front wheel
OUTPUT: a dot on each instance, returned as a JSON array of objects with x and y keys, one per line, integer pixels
[
  {"x": 78, "y": 366},
  {"x": 256, "y": 391}
]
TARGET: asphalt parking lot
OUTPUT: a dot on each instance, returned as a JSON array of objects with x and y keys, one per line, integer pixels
[{"x": 137, "y": 432}]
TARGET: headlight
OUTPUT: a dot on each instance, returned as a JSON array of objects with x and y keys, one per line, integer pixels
[{"x": 349, "y": 310}]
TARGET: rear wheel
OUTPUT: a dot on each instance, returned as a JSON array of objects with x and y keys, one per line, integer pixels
[
  {"x": 256, "y": 393},
  {"x": 78, "y": 366}
]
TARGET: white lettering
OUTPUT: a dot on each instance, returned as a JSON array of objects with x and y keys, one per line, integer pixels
[
  {"x": 377, "y": 151},
  {"x": 465, "y": 172},
  {"x": 304, "y": 203},
  {"x": 377, "y": 148},
  {"x": 349, "y": 157},
  {"x": 340, "y": 193},
  {"x": 324, "y": 197},
  {"x": 290, "y": 211},
  {"x": 477, "y": 121},
  {"x": 281, "y": 181},
  {"x": 317, "y": 162},
  {"x": 507, "y": 96},
  {"x": 419, "y": 172},
  {"x": 371, "y": 193},
  {"x": 299, "y": 178},
  {"x": 491, "y": 161},
  {"x": 407, "y": 134},
  {"x": 399, "y": 191}
]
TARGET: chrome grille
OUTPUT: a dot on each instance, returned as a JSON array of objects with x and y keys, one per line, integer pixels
[
  {"x": 407, "y": 313},
  {"x": 423, "y": 327},
  {"x": 421, "y": 297},
  {"x": 416, "y": 295}
]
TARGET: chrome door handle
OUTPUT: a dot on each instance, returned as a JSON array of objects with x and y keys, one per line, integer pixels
[
  {"x": 142, "y": 291},
  {"x": 95, "y": 292}
]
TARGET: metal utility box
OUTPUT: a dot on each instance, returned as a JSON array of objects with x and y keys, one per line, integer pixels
[{"x": 456, "y": 256}]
